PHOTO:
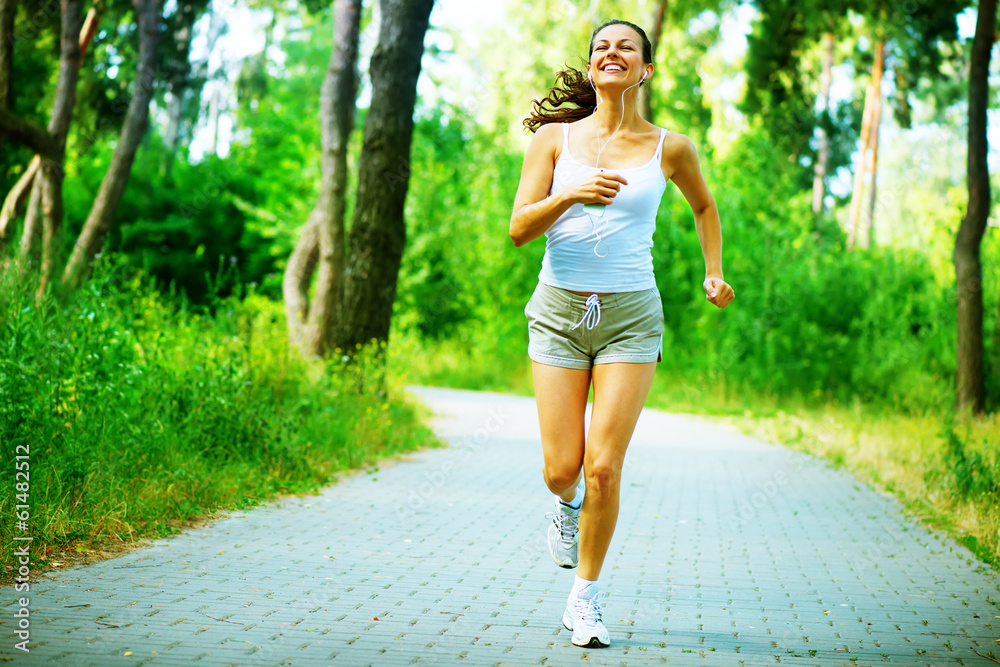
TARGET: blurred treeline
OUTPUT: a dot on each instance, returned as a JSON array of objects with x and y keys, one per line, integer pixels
[{"x": 814, "y": 318}]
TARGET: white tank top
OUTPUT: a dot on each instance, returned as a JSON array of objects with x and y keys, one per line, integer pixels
[{"x": 621, "y": 233}]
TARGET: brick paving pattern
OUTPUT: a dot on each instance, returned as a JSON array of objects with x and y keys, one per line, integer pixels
[{"x": 728, "y": 551}]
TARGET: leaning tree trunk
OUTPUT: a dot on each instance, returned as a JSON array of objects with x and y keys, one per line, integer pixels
[
  {"x": 874, "y": 88},
  {"x": 50, "y": 175},
  {"x": 969, "y": 382},
  {"x": 113, "y": 187},
  {"x": 654, "y": 39},
  {"x": 309, "y": 326},
  {"x": 378, "y": 234},
  {"x": 823, "y": 154},
  {"x": 15, "y": 199},
  {"x": 28, "y": 183}
]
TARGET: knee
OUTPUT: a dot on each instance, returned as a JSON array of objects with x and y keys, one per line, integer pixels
[
  {"x": 603, "y": 477},
  {"x": 560, "y": 478}
]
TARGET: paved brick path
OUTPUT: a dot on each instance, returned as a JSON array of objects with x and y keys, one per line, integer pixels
[{"x": 729, "y": 551}]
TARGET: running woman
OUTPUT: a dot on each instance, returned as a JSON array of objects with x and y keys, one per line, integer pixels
[{"x": 592, "y": 181}]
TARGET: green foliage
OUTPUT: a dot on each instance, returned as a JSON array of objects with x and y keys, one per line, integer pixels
[
  {"x": 968, "y": 470},
  {"x": 776, "y": 89},
  {"x": 139, "y": 415},
  {"x": 176, "y": 226},
  {"x": 811, "y": 320},
  {"x": 922, "y": 58}
]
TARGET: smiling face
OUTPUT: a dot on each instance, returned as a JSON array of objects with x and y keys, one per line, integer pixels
[{"x": 617, "y": 55}]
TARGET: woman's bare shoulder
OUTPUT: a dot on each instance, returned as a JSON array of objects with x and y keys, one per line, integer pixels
[
  {"x": 548, "y": 139},
  {"x": 677, "y": 145},
  {"x": 679, "y": 155}
]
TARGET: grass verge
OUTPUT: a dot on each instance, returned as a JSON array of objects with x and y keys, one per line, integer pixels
[
  {"x": 133, "y": 417},
  {"x": 945, "y": 472}
]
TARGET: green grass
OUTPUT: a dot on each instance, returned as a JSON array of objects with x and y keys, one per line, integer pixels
[{"x": 139, "y": 415}]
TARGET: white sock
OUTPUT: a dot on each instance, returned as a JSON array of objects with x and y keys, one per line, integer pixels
[
  {"x": 577, "y": 501},
  {"x": 579, "y": 584}
]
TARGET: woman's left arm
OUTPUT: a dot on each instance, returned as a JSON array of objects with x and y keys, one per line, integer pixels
[{"x": 680, "y": 159}]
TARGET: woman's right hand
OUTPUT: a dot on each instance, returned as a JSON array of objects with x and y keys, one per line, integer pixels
[
  {"x": 601, "y": 188},
  {"x": 536, "y": 208}
]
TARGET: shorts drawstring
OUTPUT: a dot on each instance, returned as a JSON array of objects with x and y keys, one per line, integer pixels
[{"x": 593, "y": 315}]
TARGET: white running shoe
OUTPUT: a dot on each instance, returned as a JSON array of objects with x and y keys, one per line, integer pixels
[
  {"x": 583, "y": 617},
  {"x": 564, "y": 535}
]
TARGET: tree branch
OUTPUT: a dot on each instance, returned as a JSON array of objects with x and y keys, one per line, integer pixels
[
  {"x": 15, "y": 198},
  {"x": 27, "y": 133}
]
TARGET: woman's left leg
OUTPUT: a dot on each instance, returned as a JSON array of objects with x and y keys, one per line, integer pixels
[{"x": 620, "y": 390}]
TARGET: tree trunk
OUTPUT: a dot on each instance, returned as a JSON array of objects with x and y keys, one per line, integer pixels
[
  {"x": 32, "y": 214},
  {"x": 29, "y": 181},
  {"x": 27, "y": 133},
  {"x": 823, "y": 153},
  {"x": 16, "y": 196},
  {"x": 378, "y": 234},
  {"x": 310, "y": 325},
  {"x": 50, "y": 176},
  {"x": 179, "y": 75},
  {"x": 654, "y": 38},
  {"x": 859, "y": 172},
  {"x": 213, "y": 121},
  {"x": 874, "y": 86},
  {"x": 51, "y": 180},
  {"x": 868, "y": 233},
  {"x": 298, "y": 276},
  {"x": 8, "y": 10},
  {"x": 113, "y": 187},
  {"x": 309, "y": 328},
  {"x": 969, "y": 381}
]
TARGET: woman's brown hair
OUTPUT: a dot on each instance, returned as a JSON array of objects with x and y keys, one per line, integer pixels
[{"x": 574, "y": 88}]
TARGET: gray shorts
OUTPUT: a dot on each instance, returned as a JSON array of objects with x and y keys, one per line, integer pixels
[{"x": 575, "y": 331}]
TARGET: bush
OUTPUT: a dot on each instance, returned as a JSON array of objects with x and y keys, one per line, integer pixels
[{"x": 140, "y": 413}]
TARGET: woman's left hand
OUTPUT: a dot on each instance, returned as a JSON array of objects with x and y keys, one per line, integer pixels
[{"x": 718, "y": 291}]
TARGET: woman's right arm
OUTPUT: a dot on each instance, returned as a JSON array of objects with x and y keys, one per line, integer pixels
[{"x": 534, "y": 209}]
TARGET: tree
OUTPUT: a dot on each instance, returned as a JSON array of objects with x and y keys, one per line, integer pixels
[
  {"x": 322, "y": 241},
  {"x": 868, "y": 226},
  {"x": 50, "y": 142},
  {"x": 969, "y": 381},
  {"x": 656, "y": 31},
  {"x": 775, "y": 88},
  {"x": 869, "y": 129},
  {"x": 914, "y": 35},
  {"x": 45, "y": 143},
  {"x": 378, "y": 233},
  {"x": 354, "y": 294},
  {"x": 113, "y": 186},
  {"x": 823, "y": 153}
]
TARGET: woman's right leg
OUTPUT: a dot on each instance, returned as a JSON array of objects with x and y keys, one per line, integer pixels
[{"x": 561, "y": 397}]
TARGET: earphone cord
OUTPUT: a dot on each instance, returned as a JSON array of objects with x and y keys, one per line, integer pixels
[
  {"x": 600, "y": 101},
  {"x": 600, "y": 149}
]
